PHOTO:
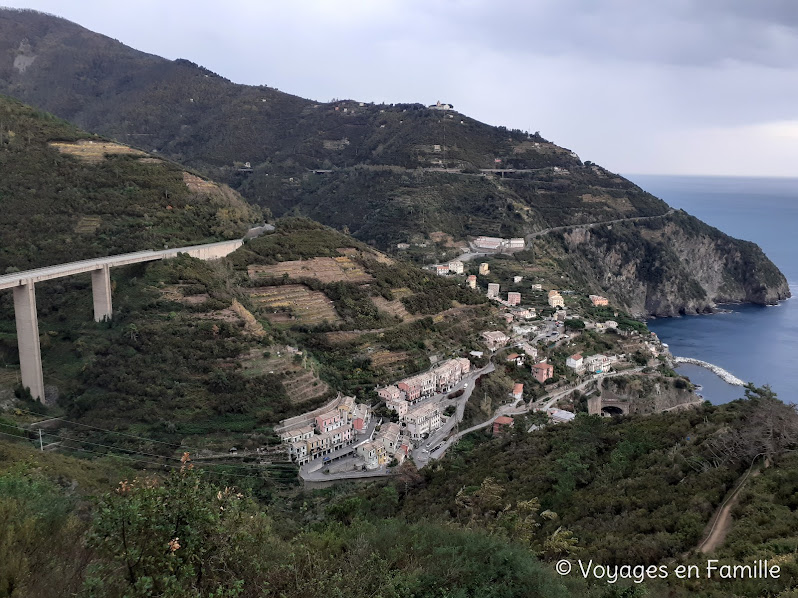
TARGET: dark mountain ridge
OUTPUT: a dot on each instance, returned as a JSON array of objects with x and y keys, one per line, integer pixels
[{"x": 385, "y": 173}]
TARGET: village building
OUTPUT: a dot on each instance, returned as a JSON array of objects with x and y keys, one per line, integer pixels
[
  {"x": 517, "y": 279},
  {"x": 493, "y": 290},
  {"x": 399, "y": 405},
  {"x": 440, "y": 378},
  {"x": 403, "y": 246},
  {"x": 456, "y": 266},
  {"x": 537, "y": 287},
  {"x": 597, "y": 363},
  {"x": 422, "y": 421},
  {"x": 471, "y": 281},
  {"x": 598, "y": 300},
  {"x": 495, "y": 339},
  {"x": 530, "y": 351},
  {"x": 484, "y": 269},
  {"x": 491, "y": 243},
  {"x": 296, "y": 435},
  {"x": 518, "y": 391},
  {"x": 516, "y": 243},
  {"x": 442, "y": 269},
  {"x": 555, "y": 299},
  {"x": 328, "y": 421},
  {"x": 575, "y": 362},
  {"x": 611, "y": 325},
  {"x": 500, "y": 424},
  {"x": 514, "y": 298},
  {"x": 560, "y": 416},
  {"x": 361, "y": 417},
  {"x": 542, "y": 371},
  {"x": 516, "y": 358},
  {"x": 389, "y": 393}
]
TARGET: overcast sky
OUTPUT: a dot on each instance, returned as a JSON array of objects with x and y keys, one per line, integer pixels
[{"x": 663, "y": 87}]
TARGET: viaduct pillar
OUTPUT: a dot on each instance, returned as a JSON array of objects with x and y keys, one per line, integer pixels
[
  {"x": 101, "y": 292},
  {"x": 30, "y": 355}
]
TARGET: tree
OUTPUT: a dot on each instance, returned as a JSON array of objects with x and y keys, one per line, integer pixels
[{"x": 169, "y": 537}]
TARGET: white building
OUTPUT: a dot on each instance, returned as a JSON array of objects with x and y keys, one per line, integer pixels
[
  {"x": 442, "y": 269},
  {"x": 597, "y": 363},
  {"x": 492, "y": 243},
  {"x": 516, "y": 243},
  {"x": 422, "y": 421},
  {"x": 575, "y": 362},
  {"x": 456, "y": 266},
  {"x": 493, "y": 290}
]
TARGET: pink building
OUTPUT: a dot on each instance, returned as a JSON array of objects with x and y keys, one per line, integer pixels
[
  {"x": 328, "y": 421},
  {"x": 598, "y": 300},
  {"x": 472, "y": 281},
  {"x": 389, "y": 393},
  {"x": 514, "y": 298},
  {"x": 412, "y": 393},
  {"x": 542, "y": 371}
]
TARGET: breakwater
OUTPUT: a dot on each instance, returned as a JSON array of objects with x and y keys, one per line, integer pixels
[{"x": 724, "y": 375}]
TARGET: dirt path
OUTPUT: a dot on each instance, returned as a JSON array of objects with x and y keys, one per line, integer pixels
[{"x": 722, "y": 521}]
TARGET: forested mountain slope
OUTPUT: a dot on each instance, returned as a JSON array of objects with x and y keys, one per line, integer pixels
[{"x": 388, "y": 173}]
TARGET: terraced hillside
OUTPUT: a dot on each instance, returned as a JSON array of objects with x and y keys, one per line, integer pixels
[
  {"x": 389, "y": 173},
  {"x": 68, "y": 195}
]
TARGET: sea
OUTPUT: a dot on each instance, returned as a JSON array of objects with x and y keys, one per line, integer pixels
[{"x": 755, "y": 343}]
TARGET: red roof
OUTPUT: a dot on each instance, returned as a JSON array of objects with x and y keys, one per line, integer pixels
[
  {"x": 503, "y": 420},
  {"x": 576, "y": 356},
  {"x": 542, "y": 366},
  {"x": 518, "y": 388}
]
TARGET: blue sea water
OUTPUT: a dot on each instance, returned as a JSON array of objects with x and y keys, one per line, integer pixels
[{"x": 757, "y": 344}]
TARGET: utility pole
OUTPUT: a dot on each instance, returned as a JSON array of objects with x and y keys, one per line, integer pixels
[{"x": 41, "y": 444}]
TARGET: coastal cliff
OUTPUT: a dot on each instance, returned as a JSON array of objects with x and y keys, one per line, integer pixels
[{"x": 671, "y": 266}]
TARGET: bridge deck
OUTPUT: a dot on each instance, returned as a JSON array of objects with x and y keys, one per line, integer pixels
[{"x": 8, "y": 281}]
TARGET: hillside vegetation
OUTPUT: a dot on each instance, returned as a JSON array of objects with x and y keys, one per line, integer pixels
[
  {"x": 373, "y": 170},
  {"x": 68, "y": 195}
]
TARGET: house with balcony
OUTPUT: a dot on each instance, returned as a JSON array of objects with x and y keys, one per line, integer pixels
[
  {"x": 422, "y": 421},
  {"x": 328, "y": 421}
]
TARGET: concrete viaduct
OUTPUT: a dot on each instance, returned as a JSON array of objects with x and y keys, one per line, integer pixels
[{"x": 22, "y": 283}]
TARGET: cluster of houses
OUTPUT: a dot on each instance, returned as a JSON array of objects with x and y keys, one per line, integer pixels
[
  {"x": 320, "y": 432},
  {"x": 407, "y": 392},
  {"x": 389, "y": 444},
  {"x": 453, "y": 267},
  {"x": 592, "y": 363},
  {"x": 497, "y": 243}
]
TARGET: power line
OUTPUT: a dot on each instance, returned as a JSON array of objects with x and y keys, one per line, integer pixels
[
  {"x": 112, "y": 431},
  {"x": 189, "y": 449},
  {"x": 139, "y": 460}
]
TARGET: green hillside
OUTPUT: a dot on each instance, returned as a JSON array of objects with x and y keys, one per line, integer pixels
[
  {"x": 385, "y": 173},
  {"x": 68, "y": 195}
]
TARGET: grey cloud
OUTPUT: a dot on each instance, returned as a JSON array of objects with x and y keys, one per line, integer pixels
[{"x": 680, "y": 32}]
